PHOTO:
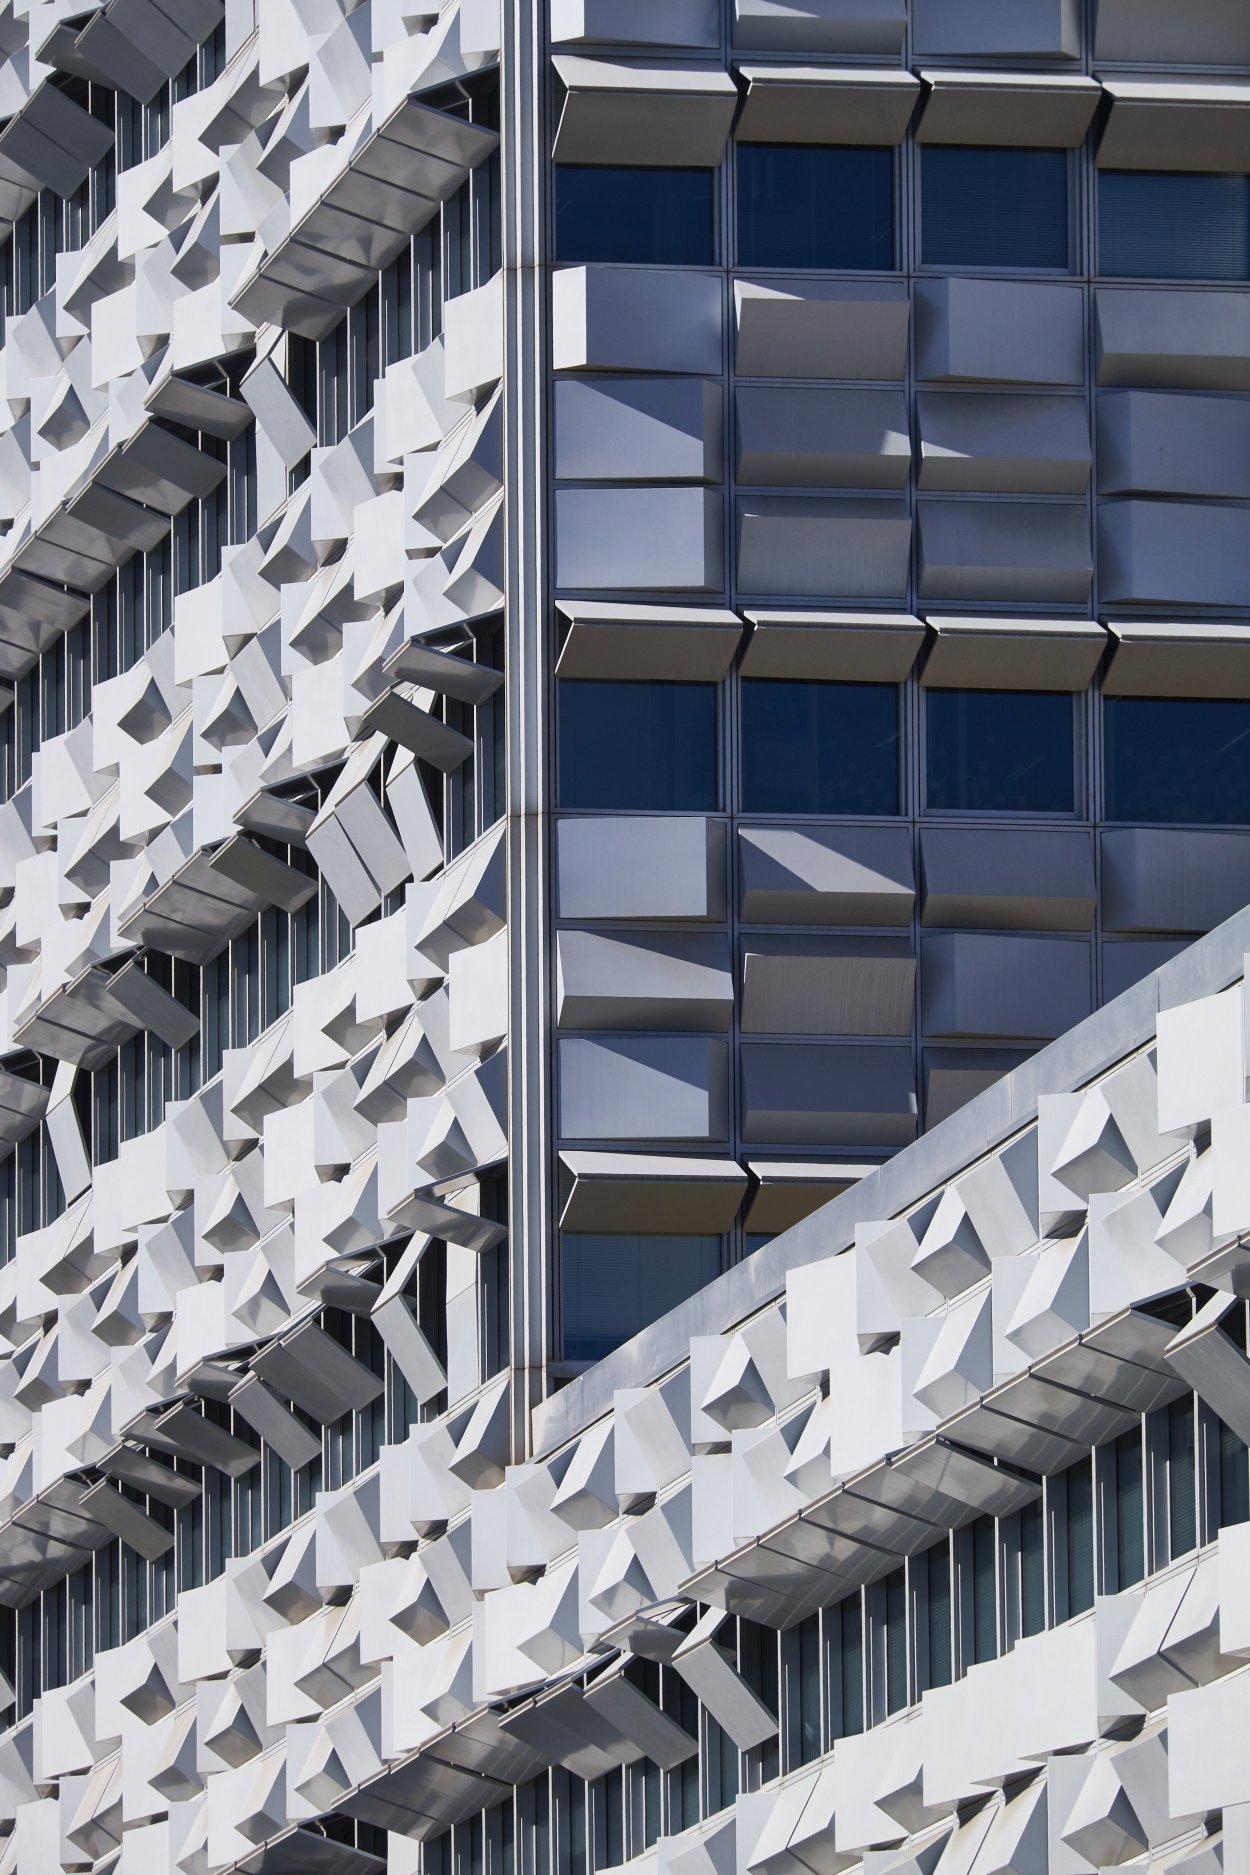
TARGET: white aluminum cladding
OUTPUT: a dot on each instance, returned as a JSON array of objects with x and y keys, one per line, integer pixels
[{"x": 916, "y": 1542}]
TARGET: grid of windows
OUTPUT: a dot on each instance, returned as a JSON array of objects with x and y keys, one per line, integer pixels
[
  {"x": 835, "y": 208},
  {"x": 211, "y": 1517},
  {"x": 966, "y": 1599},
  {"x": 130, "y": 611},
  {"x": 839, "y": 750},
  {"x": 53, "y": 224},
  {"x": 239, "y": 993},
  {"x": 402, "y": 312}
]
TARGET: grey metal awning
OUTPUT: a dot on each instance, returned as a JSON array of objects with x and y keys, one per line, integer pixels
[
  {"x": 826, "y": 104},
  {"x": 1024, "y": 110},
  {"x": 78, "y": 1022},
  {"x": 1013, "y": 654},
  {"x": 53, "y": 140},
  {"x": 643, "y": 113},
  {"x": 789, "y": 1190},
  {"x": 124, "y": 507},
  {"x": 852, "y": 647},
  {"x": 23, "y": 1104},
  {"x": 211, "y": 897},
  {"x": 133, "y": 45},
  {"x": 392, "y": 186},
  {"x": 1154, "y": 658},
  {"x": 690, "y": 643},
  {"x": 638, "y": 1191},
  {"x": 1188, "y": 124}
]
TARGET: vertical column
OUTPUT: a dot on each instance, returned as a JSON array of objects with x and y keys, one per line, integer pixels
[{"x": 530, "y": 1220}]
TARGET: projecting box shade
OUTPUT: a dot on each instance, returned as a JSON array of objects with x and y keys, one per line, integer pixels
[
  {"x": 1013, "y": 654},
  {"x": 683, "y": 643},
  {"x": 1154, "y": 659},
  {"x": 653, "y": 116},
  {"x": 1193, "y": 126},
  {"x": 633, "y": 1191},
  {"x": 851, "y": 647},
  {"x": 790, "y": 1190},
  {"x": 823, "y": 104},
  {"x": 1023, "y": 110}
]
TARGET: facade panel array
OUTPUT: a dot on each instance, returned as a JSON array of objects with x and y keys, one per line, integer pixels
[{"x": 610, "y": 616}]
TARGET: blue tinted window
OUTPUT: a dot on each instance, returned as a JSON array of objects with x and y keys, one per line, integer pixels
[
  {"x": 994, "y": 208},
  {"x": 1170, "y": 227},
  {"x": 613, "y": 1286},
  {"x": 640, "y": 746},
  {"x": 1177, "y": 759},
  {"x": 801, "y": 207},
  {"x": 661, "y": 216},
  {"x": 999, "y": 751},
  {"x": 819, "y": 748}
]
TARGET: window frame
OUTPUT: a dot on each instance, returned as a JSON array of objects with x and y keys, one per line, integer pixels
[
  {"x": 720, "y": 758},
  {"x": 1109, "y": 820},
  {"x": 733, "y": 225},
  {"x": 1160, "y": 280},
  {"x": 998, "y": 269},
  {"x": 1078, "y": 815},
  {"x": 718, "y": 186},
  {"x": 783, "y": 816}
]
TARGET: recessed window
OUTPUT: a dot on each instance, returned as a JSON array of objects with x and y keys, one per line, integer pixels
[
  {"x": 1177, "y": 759},
  {"x": 819, "y": 748},
  {"x": 645, "y": 747},
  {"x": 613, "y": 1286},
  {"x": 1173, "y": 227},
  {"x": 1000, "y": 751},
  {"x": 800, "y": 207},
  {"x": 994, "y": 208},
  {"x": 657, "y": 217}
]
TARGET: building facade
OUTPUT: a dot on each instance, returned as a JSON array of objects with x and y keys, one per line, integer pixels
[{"x": 610, "y": 616}]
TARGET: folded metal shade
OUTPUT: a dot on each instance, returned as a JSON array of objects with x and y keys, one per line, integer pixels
[
  {"x": 683, "y": 643},
  {"x": 636, "y": 1191},
  {"x": 1153, "y": 658},
  {"x": 826, "y": 104},
  {"x": 1022, "y": 110},
  {"x": 851, "y": 647},
  {"x": 1190, "y": 125},
  {"x": 790, "y": 1190},
  {"x": 642, "y": 113},
  {"x": 1013, "y": 654}
]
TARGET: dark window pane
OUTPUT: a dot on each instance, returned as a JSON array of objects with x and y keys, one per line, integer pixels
[
  {"x": 844, "y": 1667},
  {"x": 984, "y": 1624},
  {"x": 1130, "y": 1541},
  {"x": 994, "y": 208},
  {"x": 1234, "y": 1483},
  {"x": 819, "y": 748},
  {"x": 895, "y": 1587},
  {"x": 801, "y": 207},
  {"x": 1032, "y": 1569},
  {"x": 640, "y": 746},
  {"x": 925, "y": 1578},
  {"x": 613, "y": 1286},
  {"x": 1004, "y": 751},
  {"x": 1184, "y": 759},
  {"x": 807, "y": 1743},
  {"x": 1182, "y": 1511},
  {"x": 660, "y": 216},
  {"x": 1080, "y": 1539},
  {"x": 1173, "y": 227}
]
